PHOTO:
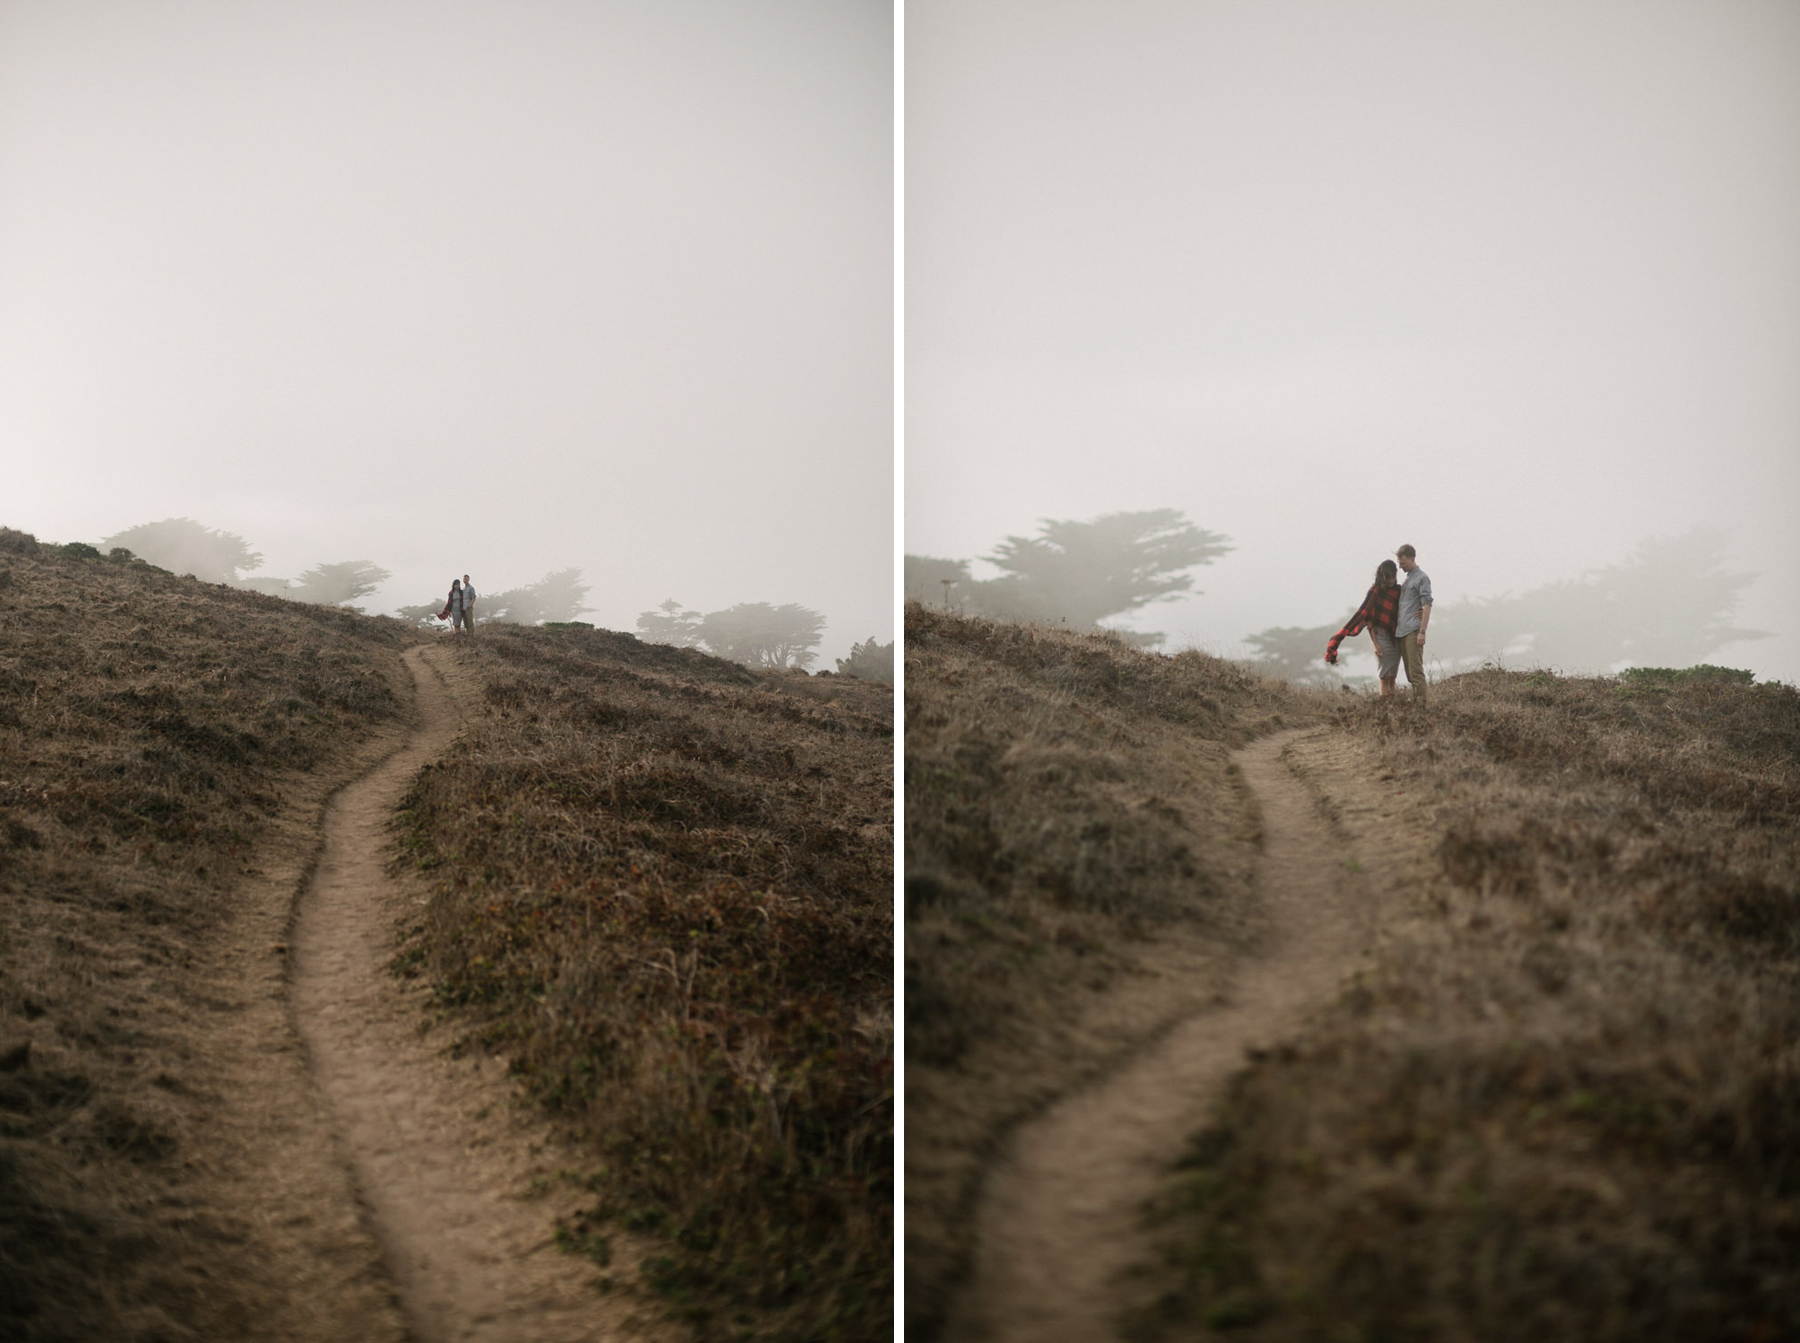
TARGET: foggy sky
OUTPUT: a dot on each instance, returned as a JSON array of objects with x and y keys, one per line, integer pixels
[
  {"x": 490, "y": 287},
  {"x": 1518, "y": 283}
]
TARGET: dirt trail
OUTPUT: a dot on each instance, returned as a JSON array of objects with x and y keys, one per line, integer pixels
[
  {"x": 460, "y": 1184},
  {"x": 1061, "y": 1214}
]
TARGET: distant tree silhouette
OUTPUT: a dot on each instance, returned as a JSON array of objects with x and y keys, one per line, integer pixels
[
  {"x": 338, "y": 584},
  {"x": 555, "y": 597},
  {"x": 1670, "y": 603},
  {"x": 756, "y": 634},
  {"x": 1082, "y": 572},
  {"x": 922, "y": 580},
  {"x": 558, "y": 596},
  {"x": 1296, "y": 653},
  {"x": 760, "y": 635},
  {"x": 669, "y": 624},
  {"x": 183, "y": 546},
  {"x": 869, "y": 661},
  {"x": 425, "y": 613}
]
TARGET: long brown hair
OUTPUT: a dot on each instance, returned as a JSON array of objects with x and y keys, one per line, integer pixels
[{"x": 1385, "y": 575}]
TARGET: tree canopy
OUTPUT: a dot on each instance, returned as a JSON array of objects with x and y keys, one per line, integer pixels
[
  {"x": 554, "y": 598},
  {"x": 869, "y": 661},
  {"x": 669, "y": 624},
  {"x": 923, "y": 579},
  {"x": 755, "y": 634},
  {"x": 760, "y": 635},
  {"x": 184, "y": 546},
  {"x": 338, "y": 584},
  {"x": 1297, "y": 653},
  {"x": 1671, "y": 602},
  {"x": 558, "y": 596},
  {"x": 1077, "y": 573}
]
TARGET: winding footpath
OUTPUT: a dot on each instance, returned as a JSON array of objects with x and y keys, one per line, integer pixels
[
  {"x": 1061, "y": 1216},
  {"x": 458, "y": 1183}
]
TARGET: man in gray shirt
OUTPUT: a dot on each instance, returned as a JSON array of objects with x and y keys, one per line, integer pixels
[{"x": 1415, "y": 615}]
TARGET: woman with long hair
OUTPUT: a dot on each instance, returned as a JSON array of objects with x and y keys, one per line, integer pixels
[{"x": 1379, "y": 613}]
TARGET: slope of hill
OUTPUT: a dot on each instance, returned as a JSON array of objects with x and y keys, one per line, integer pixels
[
  {"x": 1555, "y": 1097},
  {"x": 1566, "y": 1101},
  {"x": 1079, "y": 849},
  {"x": 662, "y": 885},
  {"x": 658, "y": 883},
  {"x": 163, "y": 744}
]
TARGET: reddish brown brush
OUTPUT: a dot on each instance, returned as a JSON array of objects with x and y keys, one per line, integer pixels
[
  {"x": 1566, "y": 1103},
  {"x": 663, "y": 886}
]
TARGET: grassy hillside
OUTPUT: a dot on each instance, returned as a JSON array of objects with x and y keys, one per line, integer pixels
[
  {"x": 662, "y": 885},
  {"x": 659, "y": 883},
  {"x": 151, "y": 730},
  {"x": 1566, "y": 1105},
  {"x": 1078, "y": 856}
]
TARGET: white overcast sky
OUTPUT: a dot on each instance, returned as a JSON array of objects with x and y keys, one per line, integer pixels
[
  {"x": 1517, "y": 281},
  {"x": 493, "y": 287}
]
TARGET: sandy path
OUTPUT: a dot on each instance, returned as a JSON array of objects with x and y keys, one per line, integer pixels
[
  {"x": 460, "y": 1184},
  {"x": 1061, "y": 1216}
]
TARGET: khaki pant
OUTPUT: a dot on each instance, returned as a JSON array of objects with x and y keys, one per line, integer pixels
[{"x": 1414, "y": 657}]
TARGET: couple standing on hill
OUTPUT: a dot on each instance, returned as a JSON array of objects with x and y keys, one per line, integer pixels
[
  {"x": 460, "y": 609},
  {"x": 1395, "y": 615}
]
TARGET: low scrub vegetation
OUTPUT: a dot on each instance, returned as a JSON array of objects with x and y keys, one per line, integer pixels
[
  {"x": 662, "y": 885},
  {"x": 1078, "y": 858},
  {"x": 150, "y": 727},
  {"x": 870, "y": 661},
  {"x": 1566, "y": 1102}
]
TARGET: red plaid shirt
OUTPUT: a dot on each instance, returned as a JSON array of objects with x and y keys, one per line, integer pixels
[{"x": 1379, "y": 607}]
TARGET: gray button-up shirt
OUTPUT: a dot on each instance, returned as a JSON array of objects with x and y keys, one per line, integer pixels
[{"x": 1414, "y": 593}]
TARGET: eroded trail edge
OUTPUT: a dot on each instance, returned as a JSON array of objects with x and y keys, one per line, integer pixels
[
  {"x": 1061, "y": 1215},
  {"x": 456, "y": 1179}
]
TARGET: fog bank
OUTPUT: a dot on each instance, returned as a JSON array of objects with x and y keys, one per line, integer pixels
[{"x": 1513, "y": 283}]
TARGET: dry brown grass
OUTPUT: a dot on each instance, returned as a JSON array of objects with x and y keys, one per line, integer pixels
[
  {"x": 1078, "y": 857},
  {"x": 662, "y": 885},
  {"x": 149, "y": 727},
  {"x": 1566, "y": 1105}
]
